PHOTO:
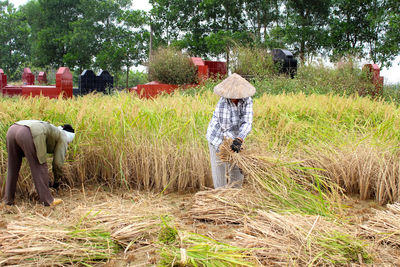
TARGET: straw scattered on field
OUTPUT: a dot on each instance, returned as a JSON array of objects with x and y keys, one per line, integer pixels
[
  {"x": 87, "y": 233},
  {"x": 384, "y": 226},
  {"x": 43, "y": 241},
  {"x": 287, "y": 239},
  {"x": 223, "y": 205}
]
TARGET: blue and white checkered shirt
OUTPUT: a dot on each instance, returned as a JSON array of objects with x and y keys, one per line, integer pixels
[{"x": 230, "y": 121}]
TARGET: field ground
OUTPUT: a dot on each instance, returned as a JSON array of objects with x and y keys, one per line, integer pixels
[{"x": 123, "y": 207}]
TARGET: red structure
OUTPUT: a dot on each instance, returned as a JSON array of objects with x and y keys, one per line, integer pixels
[
  {"x": 373, "y": 72},
  {"x": 216, "y": 68},
  {"x": 42, "y": 78},
  {"x": 63, "y": 86},
  {"x": 27, "y": 77},
  {"x": 202, "y": 69},
  {"x": 3, "y": 78},
  {"x": 205, "y": 70},
  {"x": 154, "y": 88}
]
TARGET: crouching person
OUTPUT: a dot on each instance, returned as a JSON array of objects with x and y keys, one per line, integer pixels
[
  {"x": 34, "y": 139},
  {"x": 232, "y": 118}
]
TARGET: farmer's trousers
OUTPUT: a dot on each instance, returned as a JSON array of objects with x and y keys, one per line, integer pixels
[
  {"x": 19, "y": 144},
  {"x": 224, "y": 174}
]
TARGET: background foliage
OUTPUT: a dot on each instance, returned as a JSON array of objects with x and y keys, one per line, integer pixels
[
  {"x": 168, "y": 65},
  {"x": 106, "y": 34}
]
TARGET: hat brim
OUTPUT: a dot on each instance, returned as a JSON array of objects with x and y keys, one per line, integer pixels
[{"x": 235, "y": 87}]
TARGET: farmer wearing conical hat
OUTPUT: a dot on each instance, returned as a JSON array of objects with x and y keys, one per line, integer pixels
[
  {"x": 34, "y": 139},
  {"x": 232, "y": 118}
]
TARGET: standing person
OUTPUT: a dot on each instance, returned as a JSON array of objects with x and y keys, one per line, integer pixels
[
  {"x": 232, "y": 118},
  {"x": 34, "y": 139}
]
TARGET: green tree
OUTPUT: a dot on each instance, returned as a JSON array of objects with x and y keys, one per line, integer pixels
[
  {"x": 348, "y": 24},
  {"x": 51, "y": 23},
  {"x": 126, "y": 45},
  {"x": 260, "y": 16},
  {"x": 365, "y": 29},
  {"x": 306, "y": 26},
  {"x": 14, "y": 45},
  {"x": 391, "y": 42}
]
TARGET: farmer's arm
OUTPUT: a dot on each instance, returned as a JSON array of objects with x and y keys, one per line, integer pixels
[
  {"x": 246, "y": 120},
  {"x": 58, "y": 161}
]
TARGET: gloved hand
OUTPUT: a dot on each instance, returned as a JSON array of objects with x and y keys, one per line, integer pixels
[{"x": 236, "y": 144}]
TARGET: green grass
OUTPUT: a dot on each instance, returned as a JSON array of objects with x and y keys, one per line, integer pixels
[
  {"x": 339, "y": 248},
  {"x": 198, "y": 250}
]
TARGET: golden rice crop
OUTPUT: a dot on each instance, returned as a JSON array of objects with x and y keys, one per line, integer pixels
[{"x": 125, "y": 142}]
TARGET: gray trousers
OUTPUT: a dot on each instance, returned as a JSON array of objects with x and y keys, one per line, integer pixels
[
  {"x": 19, "y": 144},
  {"x": 223, "y": 174}
]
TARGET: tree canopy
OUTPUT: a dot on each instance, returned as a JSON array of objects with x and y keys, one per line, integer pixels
[{"x": 112, "y": 35}]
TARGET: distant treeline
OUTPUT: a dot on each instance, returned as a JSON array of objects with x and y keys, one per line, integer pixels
[{"x": 113, "y": 35}]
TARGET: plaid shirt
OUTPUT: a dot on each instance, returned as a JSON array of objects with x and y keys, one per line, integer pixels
[{"x": 230, "y": 121}]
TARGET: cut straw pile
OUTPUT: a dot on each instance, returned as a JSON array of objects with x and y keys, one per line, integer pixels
[
  {"x": 223, "y": 205},
  {"x": 384, "y": 227},
  {"x": 125, "y": 228},
  {"x": 282, "y": 240},
  {"x": 96, "y": 234},
  {"x": 43, "y": 241}
]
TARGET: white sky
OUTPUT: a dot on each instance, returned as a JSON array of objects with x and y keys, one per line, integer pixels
[{"x": 391, "y": 75}]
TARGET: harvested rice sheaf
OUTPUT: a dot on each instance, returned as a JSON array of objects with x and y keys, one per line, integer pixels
[
  {"x": 223, "y": 205},
  {"x": 284, "y": 185},
  {"x": 44, "y": 241},
  {"x": 90, "y": 235}
]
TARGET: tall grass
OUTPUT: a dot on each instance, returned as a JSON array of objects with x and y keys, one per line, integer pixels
[{"x": 123, "y": 141}]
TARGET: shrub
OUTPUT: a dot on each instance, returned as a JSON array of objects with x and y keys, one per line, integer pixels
[
  {"x": 256, "y": 62},
  {"x": 171, "y": 66}
]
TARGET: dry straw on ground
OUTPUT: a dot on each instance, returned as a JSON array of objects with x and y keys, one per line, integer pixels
[
  {"x": 88, "y": 234},
  {"x": 44, "y": 242},
  {"x": 384, "y": 227},
  {"x": 280, "y": 239},
  {"x": 223, "y": 205},
  {"x": 295, "y": 240}
]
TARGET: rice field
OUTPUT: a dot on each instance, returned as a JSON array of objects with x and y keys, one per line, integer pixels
[{"x": 311, "y": 161}]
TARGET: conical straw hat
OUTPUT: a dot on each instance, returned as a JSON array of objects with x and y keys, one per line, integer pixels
[{"x": 234, "y": 87}]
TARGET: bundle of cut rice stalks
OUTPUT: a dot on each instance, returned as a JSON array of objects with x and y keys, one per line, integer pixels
[
  {"x": 298, "y": 240},
  {"x": 384, "y": 227},
  {"x": 284, "y": 185},
  {"x": 223, "y": 205},
  {"x": 86, "y": 236},
  {"x": 125, "y": 227},
  {"x": 44, "y": 241}
]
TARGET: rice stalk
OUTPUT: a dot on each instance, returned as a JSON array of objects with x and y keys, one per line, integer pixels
[
  {"x": 289, "y": 185},
  {"x": 365, "y": 170},
  {"x": 197, "y": 250},
  {"x": 126, "y": 142}
]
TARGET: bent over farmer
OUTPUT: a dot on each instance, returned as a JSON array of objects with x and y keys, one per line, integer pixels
[
  {"x": 34, "y": 139},
  {"x": 232, "y": 118}
]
